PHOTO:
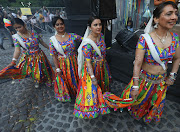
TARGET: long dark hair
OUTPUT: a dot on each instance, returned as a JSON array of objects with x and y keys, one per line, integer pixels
[
  {"x": 157, "y": 12},
  {"x": 54, "y": 20},
  {"x": 18, "y": 21},
  {"x": 91, "y": 19}
]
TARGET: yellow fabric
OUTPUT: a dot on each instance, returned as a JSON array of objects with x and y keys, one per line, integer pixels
[
  {"x": 41, "y": 17},
  {"x": 26, "y": 11},
  {"x": 88, "y": 93},
  {"x": 145, "y": 94}
]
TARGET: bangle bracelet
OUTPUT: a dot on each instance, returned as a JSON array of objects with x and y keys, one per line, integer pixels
[
  {"x": 172, "y": 77},
  {"x": 136, "y": 77},
  {"x": 92, "y": 76},
  {"x": 172, "y": 80},
  {"x": 58, "y": 70},
  {"x": 172, "y": 73},
  {"x": 136, "y": 87},
  {"x": 14, "y": 59},
  {"x": 93, "y": 80},
  {"x": 12, "y": 62}
]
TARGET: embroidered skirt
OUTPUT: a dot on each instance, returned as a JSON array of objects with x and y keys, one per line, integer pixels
[
  {"x": 32, "y": 64},
  {"x": 65, "y": 85},
  {"x": 150, "y": 101},
  {"x": 89, "y": 100}
]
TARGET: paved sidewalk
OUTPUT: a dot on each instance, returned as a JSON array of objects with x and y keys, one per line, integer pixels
[{"x": 24, "y": 108}]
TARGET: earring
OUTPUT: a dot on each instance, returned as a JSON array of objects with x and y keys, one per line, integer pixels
[{"x": 156, "y": 26}]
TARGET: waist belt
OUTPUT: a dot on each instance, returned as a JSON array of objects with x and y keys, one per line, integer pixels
[
  {"x": 97, "y": 59},
  {"x": 31, "y": 52},
  {"x": 157, "y": 81}
]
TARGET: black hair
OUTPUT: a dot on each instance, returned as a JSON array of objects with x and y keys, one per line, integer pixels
[
  {"x": 18, "y": 21},
  {"x": 91, "y": 19},
  {"x": 157, "y": 12},
  {"x": 54, "y": 20}
]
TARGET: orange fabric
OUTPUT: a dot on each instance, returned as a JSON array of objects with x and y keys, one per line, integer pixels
[
  {"x": 41, "y": 17},
  {"x": 172, "y": 0},
  {"x": 157, "y": 2},
  {"x": 7, "y": 25}
]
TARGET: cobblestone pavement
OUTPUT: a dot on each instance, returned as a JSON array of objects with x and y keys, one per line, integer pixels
[{"x": 23, "y": 108}]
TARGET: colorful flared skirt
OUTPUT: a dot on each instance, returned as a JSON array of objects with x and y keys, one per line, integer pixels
[
  {"x": 66, "y": 85},
  {"x": 32, "y": 64},
  {"x": 102, "y": 73},
  {"x": 150, "y": 101},
  {"x": 89, "y": 100}
]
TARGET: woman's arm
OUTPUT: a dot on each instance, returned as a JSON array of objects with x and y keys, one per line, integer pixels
[
  {"x": 176, "y": 61},
  {"x": 87, "y": 52},
  {"x": 16, "y": 55},
  {"x": 139, "y": 56},
  {"x": 175, "y": 67},
  {"x": 55, "y": 59},
  {"x": 54, "y": 55},
  {"x": 56, "y": 63},
  {"x": 78, "y": 37},
  {"x": 44, "y": 44},
  {"x": 91, "y": 73}
]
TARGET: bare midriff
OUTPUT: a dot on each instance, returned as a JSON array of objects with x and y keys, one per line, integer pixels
[{"x": 153, "y": 69}]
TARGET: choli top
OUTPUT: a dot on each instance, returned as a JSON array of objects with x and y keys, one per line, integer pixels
[
  {"x": 32, "y": 43},
  {"x": 165, "y": 54},
  {"x": 67, "y": 46},
  {"x": 89, "y": 52}
]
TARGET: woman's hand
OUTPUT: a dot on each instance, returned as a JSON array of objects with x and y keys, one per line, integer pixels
[
  {"x": 11, "y": 65},
  {"x": 44, "y": 44},
  {"x": 94, "y": 81},
  {"x": 134, "y": 94},
  {"x": 58, "y": 72},
  {"x": 169, "y": 81}
]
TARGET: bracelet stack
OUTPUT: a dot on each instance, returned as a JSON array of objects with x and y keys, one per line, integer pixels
[
  {"x": 135, "y": 78},
  {"x": 58, "y": 70},
  {"x": 14, "y": 59},
  {"x": 172, "y": 76},
  {"x": 136, "y": 88},
  {"x": 94, "y": 79},
  {"x": 92, "y": 76}
]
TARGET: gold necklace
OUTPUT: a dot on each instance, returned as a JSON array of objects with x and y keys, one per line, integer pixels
[
  {"x": 163, "y": 39},
  {"x": 27, "y": 36},
  {"x": 62, "y": 35}
]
